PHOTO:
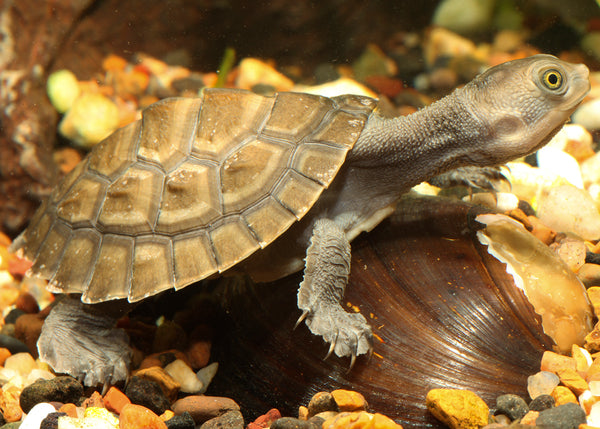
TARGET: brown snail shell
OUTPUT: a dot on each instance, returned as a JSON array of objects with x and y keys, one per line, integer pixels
[{"x": 447, "y": 314}]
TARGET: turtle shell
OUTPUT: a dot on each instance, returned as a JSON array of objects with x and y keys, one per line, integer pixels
[{"x": 191, "y": 189}]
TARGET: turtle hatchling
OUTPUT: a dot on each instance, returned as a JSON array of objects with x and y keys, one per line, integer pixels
[{"x": 237, "y": 182}]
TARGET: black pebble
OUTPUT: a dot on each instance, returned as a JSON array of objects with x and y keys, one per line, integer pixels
[
  {"x": 51, "y": 420},
  {"x": 148, "y": 394},
  {"x": 182, "y": 421},
  {"x": 566, "y": 416},
  {"x": 590, "y": 258},
  {"x": 13, "y": 345},
  {"x": 512, "y": 406},
  {"x": 59, "y": 389},
  {"x": 13, "y": 315},
  {"x": 541, "y": 403}
]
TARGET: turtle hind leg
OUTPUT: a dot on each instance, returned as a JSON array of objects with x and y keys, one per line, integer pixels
[
  {"x": 81, "y": 340},
  {"x": 322, "y": 291}
]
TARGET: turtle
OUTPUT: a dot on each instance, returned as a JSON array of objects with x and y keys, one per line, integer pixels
[{"x": 233, "y": 181}]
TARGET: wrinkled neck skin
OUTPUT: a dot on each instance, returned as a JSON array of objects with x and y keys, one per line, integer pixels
[
  {"x": 407, "y": 150},
  {"x": 394, "y": 154}
]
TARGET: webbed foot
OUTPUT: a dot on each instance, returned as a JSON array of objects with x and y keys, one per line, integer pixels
[
  {"x": 322, "y": 291},
  {"x": 79, "y": 340}
]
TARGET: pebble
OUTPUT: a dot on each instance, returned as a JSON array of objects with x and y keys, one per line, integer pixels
[
  {"x": 588, "y": 115},
  {"x": 198, "y": 353},
  {"x": 569, "y": 209},
  {"x": 101, "y": 413},
  {"x": 293, "y": 423},
  {"x": 364, "y": 420},
  {"x": 63, "y": 89},
  {"x": 147, "y": 393},
  {"x": 182, "y": 421},
  {"x": 530, "y": 418},
  {"x": 589, "y": 274},
  {"x": 572, "y": 251},
  {"x": 36, "y": 414},
  {"x": 12, "y": 344},
  {"x": 571, "y": 379},
  {"x": 563, "y": 395},
  {"x": 138, "y": 417},
  {"x": 542, "y": 383},
  {"x": 541, "y": 403},
  {"x": 169, "y": 386},
  {"x": 513, "y": 406},
  {"x": 443, "y": 43},
  {"x": 23, "y": 363},
  {"x": 337, "y": 87},
  {"x": 574, "y": 140},
  {"x": 582, "y": 357},
  {"x": 265, "y": 420},
  {"x": 594, "y": 415},
  {"x": 373, "y": 62},
  {"x": 253, "y": 72},
  {"x": 115, "y": 400},
  {"x": 229, "y": 420},
  {"x": 553, "y": 362},
  {"x": 464, "y": 16},
  {"x": 590, "y": 170},
  {"x": 320, "y": 402},
  {"x": 184, "y": 376},
  {"x": 551, "y": 159},
  {"x": 593, "y": 294},
  {"x": 567, "y": 416},
  {"x": 169, "y": 335},
  {"x": 206, "y": 375},
  {"x": 90, "y": 119},
  {"x": 28, "y": 328},
  {"x": 348, "y": 400},
  {"x": 59, "y": 389},
  {"x": 592, "y": 343},
  {"x": 67, "y": 422},
  {"x": 51, "y": 420},
  {"x": 203, "y": 408},
  {"x": 459, "y": 409}
]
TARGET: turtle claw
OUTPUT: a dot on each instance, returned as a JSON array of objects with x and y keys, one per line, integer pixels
[
  {"x": 301, "y": 319},
  {"x": 332, "y": 345}
]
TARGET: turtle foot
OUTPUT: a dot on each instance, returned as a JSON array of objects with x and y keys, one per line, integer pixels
[
  {"x": 486, "y": 178},
  {"x": 348, "y": 334},
  {"x": 84, "y": 344}
]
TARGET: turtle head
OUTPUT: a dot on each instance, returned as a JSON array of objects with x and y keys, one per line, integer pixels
[{"x": 521, "y": 104}]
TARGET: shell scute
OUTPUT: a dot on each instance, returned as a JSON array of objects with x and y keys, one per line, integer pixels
[
  {"x": 168, "y": 130},
  {"x": 77, "y": 262},
  {"x": 193, "y": 257},
  {"x": 190, "y": 198},
  {"x": 250, "y": 173},
  {"x": 296, "y": 115},
  {"x": 132, "y": 201},
  {"x": 112, "y": 272},
  {"x": 267, "y": 219},
  {"x": 51, "y": 250},
  {"x": 318, "y": 161},
  {"x": 226, "y": 119},
  {"x": 232, "y": 241},
  {"x": 82, "y": 202},
  {"x": 152, "y": 267},
  {"x": 113, "y": 155},
  {"x": 297, "y": 193},
  {"x": 341, "y": 128}
]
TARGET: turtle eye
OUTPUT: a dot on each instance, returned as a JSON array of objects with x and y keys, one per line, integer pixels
[{"x": 552, "y": 79}]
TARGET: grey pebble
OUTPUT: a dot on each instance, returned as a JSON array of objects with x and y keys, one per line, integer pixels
[
  {"x": 512, "y": 406},
  {"x": 51, "y": 420},
  {"x": 12, "y": 344},
  {"x": 293, "y": 423},
  {"x": 566, "y": 416},
  {"x": 182, "y": 421},
  {"x": 229, "y": 420}
]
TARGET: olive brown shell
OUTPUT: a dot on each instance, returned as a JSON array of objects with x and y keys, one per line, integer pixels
[{"x": 191, "y": 189}]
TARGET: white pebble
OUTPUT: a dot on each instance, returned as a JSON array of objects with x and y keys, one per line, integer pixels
[
  {"x": 569, "y": 209},
  {"x": 35, "y": 416},
  {"x": 588, "y": 115},
  {"x": 184, "y": 375},
  {"x": 594, "y": 386},
  {"x": 593, "y": 419},
  {"x": 555, "y": 160},
  {"x": 542, "y": 383},
  {"x": 503, "y": 201},
  {"x": 37, "y": 374},
  {"x": 337, "y": 87},
  {"x": 206, "y": 374},
  {"x": 464, "y": 16},
  {"x": 23, "y": 363}
]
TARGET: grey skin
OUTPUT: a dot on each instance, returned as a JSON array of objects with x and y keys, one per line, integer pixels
[{"x": 507, "y": 112}]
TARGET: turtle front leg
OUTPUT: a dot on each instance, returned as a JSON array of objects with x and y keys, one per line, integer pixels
[
  {"x": 81, "y": 340},
  {"x": 322, "y": 291}
]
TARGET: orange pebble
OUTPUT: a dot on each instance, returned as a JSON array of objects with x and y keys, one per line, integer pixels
[
  {"x": 115, "y": 400},
  {"x": 114, "y": 62},
  {"x": 4, "y": 354},
  {"x": 137, "y": 417},
  {"x": 69, "y": 409}
]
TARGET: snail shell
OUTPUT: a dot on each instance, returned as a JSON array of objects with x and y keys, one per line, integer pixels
[{"x": 446, "y": 312}]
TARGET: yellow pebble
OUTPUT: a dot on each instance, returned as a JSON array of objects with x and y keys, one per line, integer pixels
[
  {"x": 360, "y": 420},
  {"x": 101, "y": 413},
  {"x": 348, "y": 400},
  {"x": 459, "y": 409},
  {"x": 563, "y": 395}
]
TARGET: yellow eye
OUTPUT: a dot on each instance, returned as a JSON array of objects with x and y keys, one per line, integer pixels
[{"x": 552, "y": 79}]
